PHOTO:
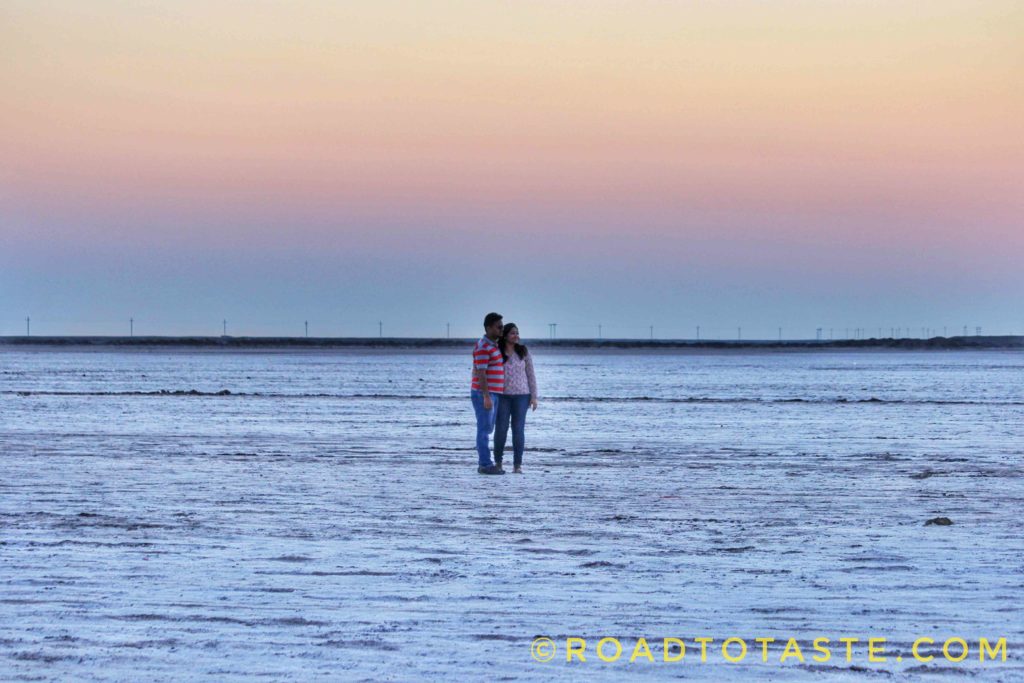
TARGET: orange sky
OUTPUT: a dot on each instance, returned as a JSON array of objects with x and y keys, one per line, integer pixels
[{"x": 894, "y": 121}]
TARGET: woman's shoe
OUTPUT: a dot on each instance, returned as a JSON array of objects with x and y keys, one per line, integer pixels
[
  {"x": 517, "y": 470},
  {"x": 493, "y": 469}
]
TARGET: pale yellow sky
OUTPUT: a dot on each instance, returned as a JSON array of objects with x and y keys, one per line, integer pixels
[
  {"x": 550, "y": 88},
  {"x": 695, "y": 135}
]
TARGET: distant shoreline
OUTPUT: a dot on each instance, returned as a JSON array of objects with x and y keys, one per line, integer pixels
[{"x": 327, "y": 343}]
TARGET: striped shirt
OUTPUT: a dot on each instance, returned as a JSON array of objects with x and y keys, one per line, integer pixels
[{"x": 486, "y": 356}]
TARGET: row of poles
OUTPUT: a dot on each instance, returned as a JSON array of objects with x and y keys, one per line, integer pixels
[
  {"x": 224, "y": 327},
  {"x": 858, "y": 332},
  {"x": 894, "y": 332}
]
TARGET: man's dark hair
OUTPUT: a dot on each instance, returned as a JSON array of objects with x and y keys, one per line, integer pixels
[{"x": 491, "y": 318}]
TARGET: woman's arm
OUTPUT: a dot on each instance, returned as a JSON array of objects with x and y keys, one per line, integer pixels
[{"x": 532, "y": 380}]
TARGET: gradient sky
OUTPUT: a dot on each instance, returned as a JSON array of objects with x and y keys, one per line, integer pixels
[{"x": 723, "y": 164}]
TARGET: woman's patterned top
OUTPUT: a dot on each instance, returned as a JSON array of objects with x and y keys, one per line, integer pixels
[{"x": 519, "y": 377}]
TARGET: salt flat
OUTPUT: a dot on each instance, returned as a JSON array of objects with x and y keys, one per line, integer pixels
[{"x": 324, "y": 521}]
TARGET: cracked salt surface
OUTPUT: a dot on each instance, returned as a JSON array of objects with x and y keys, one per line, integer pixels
[{"x": 323, "y": 520}]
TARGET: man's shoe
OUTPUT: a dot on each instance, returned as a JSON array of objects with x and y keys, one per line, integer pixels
[
  {"x": 517, "y": 470},
  {"x": 493, "y": 469}
]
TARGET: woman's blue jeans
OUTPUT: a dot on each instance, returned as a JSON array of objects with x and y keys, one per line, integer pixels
[{"x": 512, "y": 408}]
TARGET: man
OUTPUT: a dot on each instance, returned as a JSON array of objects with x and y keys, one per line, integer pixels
[{"x": 488, "y": 382}]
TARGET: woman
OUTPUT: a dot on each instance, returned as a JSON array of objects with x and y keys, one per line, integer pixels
[{"x": 520, "y": 393}]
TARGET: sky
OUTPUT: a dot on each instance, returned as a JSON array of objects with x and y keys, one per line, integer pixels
[{"x": 739, "y": 165}]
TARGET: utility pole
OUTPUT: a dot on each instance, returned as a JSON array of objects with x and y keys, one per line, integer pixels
[
  {"x": 307, "y": 328},
  {"x": 131, "y": 327},
  {"x": 652, "y": 332},
  {"x": 739, "y": 333},
  {"x": 448, "y": 331},
  {"x": 698, "y": 332},
  {"x": 599, "y": 336},
  {"x": 780, "y": 334},
  {"x": 224, "y": 324},
  {"x": 817, "y": 334},
  {"x": 977, "y": 331},
  {"x": 380, "y": 329},
  {"x": 28, "y": 328}
]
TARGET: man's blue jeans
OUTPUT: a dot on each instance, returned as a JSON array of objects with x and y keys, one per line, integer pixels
[
  {"x": 512, "y": 409},
  {"x": 484, "y": 424}
]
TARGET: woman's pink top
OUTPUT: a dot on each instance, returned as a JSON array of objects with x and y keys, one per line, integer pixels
[{"x": 519, "y": 377}]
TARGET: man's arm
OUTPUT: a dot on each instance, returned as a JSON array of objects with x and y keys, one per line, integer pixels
[
  {"x": 481, "y": 374},
  {"x": 480, "y": 370}
]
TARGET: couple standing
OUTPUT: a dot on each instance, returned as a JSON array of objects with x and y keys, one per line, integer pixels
[{"x": 504, "y": 387}]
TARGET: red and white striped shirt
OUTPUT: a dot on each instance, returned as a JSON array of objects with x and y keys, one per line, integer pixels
[{"x": 487, "y": 356}]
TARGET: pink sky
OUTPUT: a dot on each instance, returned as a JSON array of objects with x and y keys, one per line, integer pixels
[{"x": 785, "y": 140}]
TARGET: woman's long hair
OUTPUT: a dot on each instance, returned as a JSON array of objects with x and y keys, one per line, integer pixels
[{"x": 521, "y": 350}]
